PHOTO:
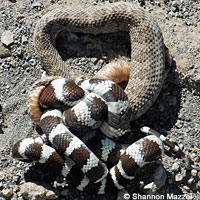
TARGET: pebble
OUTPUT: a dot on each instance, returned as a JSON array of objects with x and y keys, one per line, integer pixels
[
  {"x": 197, "y": 78},
  {"x": 7, "y": 38},
  {"x": 175, "y": 167},
  {"x": 178, "y": 177},
  {"x": 194, "y": 172},
  {"x": 4, "y": 52},
  {"x": 179, "y": 124},
  {"x": 16, "y": 178},
  {"x": 2, "y": 175},
  {"x": 191, "y": 180},
  {"x": 185, "y": 187},
  {"x": 24, "y": 40},
  {"x": 19, "y": 51},
  {"x": 26, "y": 64},
  {"x": 36, "y": 4},
  {"x": 32, "y": 62},
  {"x": 150, "y": 188},
  {"x": 7, "y": 193},
  {"x": 93, "y": 60}
]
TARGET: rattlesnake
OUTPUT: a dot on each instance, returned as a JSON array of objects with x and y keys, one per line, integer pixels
[{"x": 147, "y": 47}]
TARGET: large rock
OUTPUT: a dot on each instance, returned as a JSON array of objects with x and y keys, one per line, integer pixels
[
  {"x": 4, "y": 52},
  {"x": 36, "y": 191},
  {"x": 7, "y": 38}
]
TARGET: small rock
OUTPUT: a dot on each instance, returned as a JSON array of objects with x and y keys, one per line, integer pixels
[
  {"x": 29, "y": 56},
  {"x": 2, "y": 176},
  {"x": 24, "y": 40},
  {"x": 191, "y": 180},
  {"x": 150, "y": 188},
  {"x": 4, "y": 52},
  {"x": 93, "y": 60},
  {"x": 26, "y": 64},
  {"x": 35, "y": 191},
  {"x": 181, "y": 146},
  {"x": 16, "y": 178},
  {"x": 7, "y": 38},
  {"x": 36, "y": 4},
  {"x": 179, "y": 124},
  {"x": 194, "y": 172},
  {"x": 188, "y": 23},
  {"x": 19, "y": 51},
  {"x": 50, "y": 195},
  {"x": 183, "y": 172},
  {"x": 185, "y": 187},
  {"x": 197, "y": 78},
  {"x": 175, "y": 167},
  {"x": 32, "y": 62},
  {"x": 174, "y": 9},
  {"x": 7, "y": 193},
  {"x": 178, "y": 177}
]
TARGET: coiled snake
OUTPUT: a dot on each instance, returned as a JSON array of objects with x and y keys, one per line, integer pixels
[{"x": 102, "y": 106}]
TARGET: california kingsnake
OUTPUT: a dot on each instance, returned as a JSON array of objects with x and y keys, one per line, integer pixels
[{"x": 84, "y": 161}]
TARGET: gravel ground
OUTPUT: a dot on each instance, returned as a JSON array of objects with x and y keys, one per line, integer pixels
[{"x": 175, "y": 113}]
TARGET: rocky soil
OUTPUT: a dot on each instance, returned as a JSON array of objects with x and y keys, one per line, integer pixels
[{"x": 176, "y": 113}]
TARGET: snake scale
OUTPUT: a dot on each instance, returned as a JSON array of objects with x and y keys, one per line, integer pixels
[{"x": 82, "y": 159}]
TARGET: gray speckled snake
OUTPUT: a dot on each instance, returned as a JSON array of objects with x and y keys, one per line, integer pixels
[{"x": 147, "y": 47}]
